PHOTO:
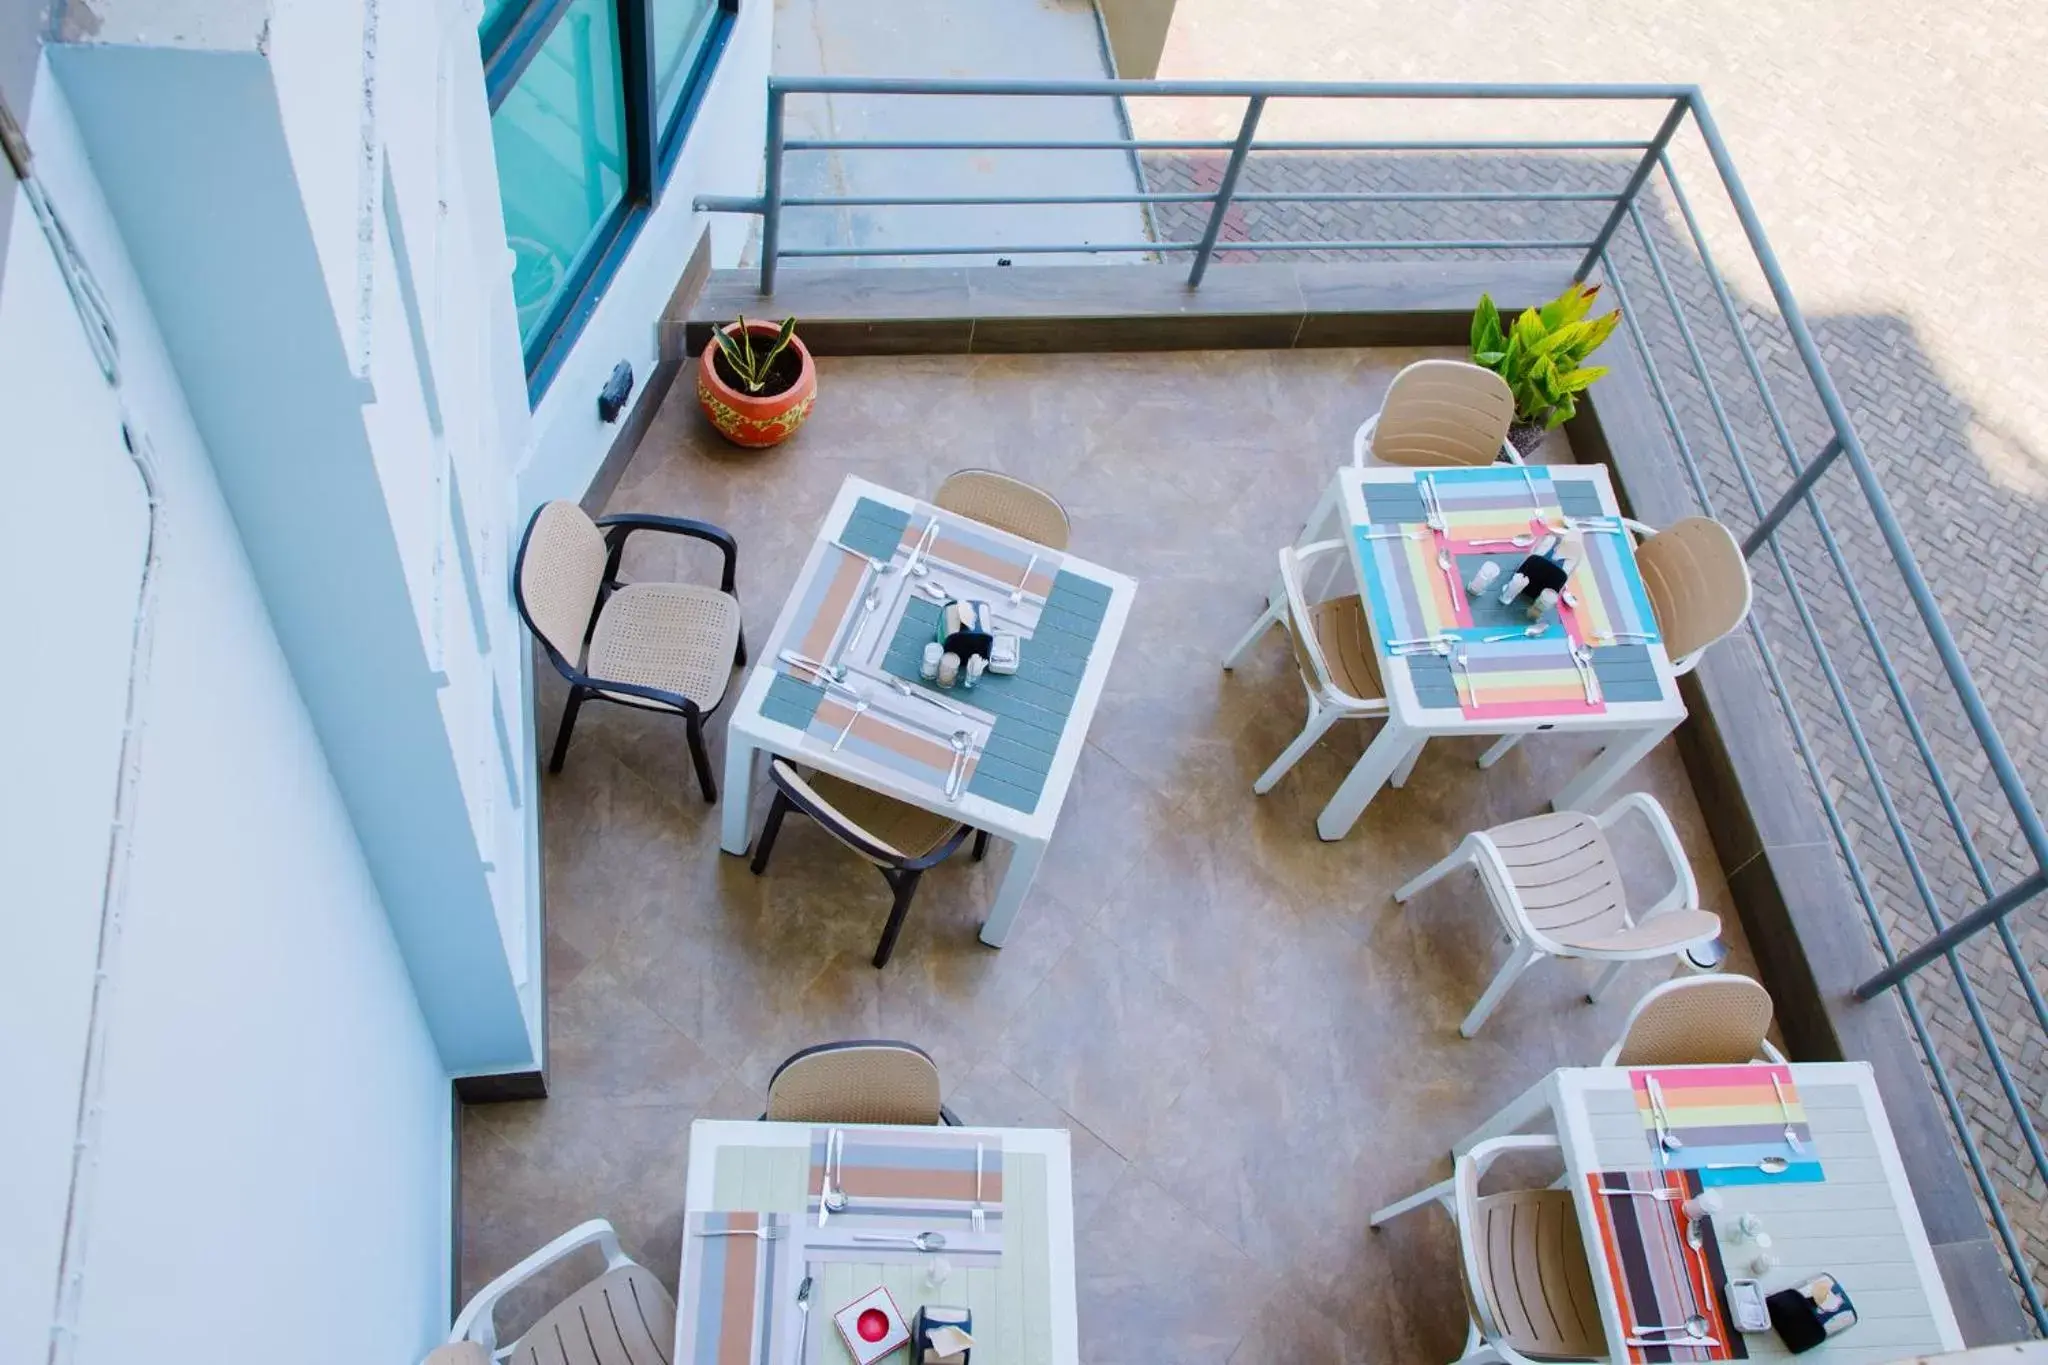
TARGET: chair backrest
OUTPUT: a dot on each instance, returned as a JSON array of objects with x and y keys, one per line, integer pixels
[
  {"x": 1702, "y": 1020},
  {"x": 833, "y": 820},
  {"x": 1007, "y": 504},
  {"x": 1698, "y": 583},
  {"x": 1308, "y": 650},
  {"x": 866, "y": 1080},
  {"x": 1527, "y": 1282},
  {"x": 558, "y": 574},
  {"x": 1443, "y": 412}
]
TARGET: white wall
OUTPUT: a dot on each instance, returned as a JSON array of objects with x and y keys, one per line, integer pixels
[
  {"x": 722, "y": 156},
  {"x": 270, "y": 1175}
]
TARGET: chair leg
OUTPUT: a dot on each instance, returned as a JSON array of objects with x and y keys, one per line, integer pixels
[
  {"x": 1499, "y": 750},
  {"x": 567, "y": 727},
  {"x": 1523, "y": 958},
  {"x": 1268, "y": 618},
  {"x": 1320, "y": 719},
  {"x": 702, "y": 759},
  {"x": 1604, "y": 980},
  {"x": 1437, "y": 872},
  {"x": 980, "y": 844},
  {"x": 1435, "y": 1194},
  {"x": 739, "y": 655},
  {"x": 777, "y": 808},
  {"x": 905, "y": 884}
]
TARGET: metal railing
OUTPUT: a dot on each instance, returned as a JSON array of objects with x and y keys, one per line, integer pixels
[{"x": 1676, "y": 109}]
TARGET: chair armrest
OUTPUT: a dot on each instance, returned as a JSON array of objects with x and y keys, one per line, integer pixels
[
  {"x": 474, "y": 1322},
  {"x": 1642, "y": 529},
  {"x": 1361, "y": 442},
  {"x": 662, "y": 695},
  {"x": 948, "y": 1117},
  {"x": 618, "y": 528},
  {"x": 1508, "y": 451},
  {"x": 1685, "y": 891}
]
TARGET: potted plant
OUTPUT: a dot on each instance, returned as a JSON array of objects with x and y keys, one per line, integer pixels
[
  {"x": 756, "y": 382},
  {"x": 1541, "y": 357}
]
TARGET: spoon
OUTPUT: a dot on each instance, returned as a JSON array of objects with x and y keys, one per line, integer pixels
[
  {"x": 1642, "y": 1194},
  {"x": 962, "y": 741},
  {"x": 1522, "y": 542},
  {"x": 1696, "y": 1326},
  {"x": 932, "y": 588},
  {"x": 1530, "y": 632},
  {"x": 923, "y": 1241},
  {"x": 1770, "y": 1165},
  {"x": 880, "y": 566},
  {"x": 859, "y": 707},
  {"x": 826, "y": 672},
  {"x": 834, "y": 1198},
  {"x": 1017, "y": 593}
]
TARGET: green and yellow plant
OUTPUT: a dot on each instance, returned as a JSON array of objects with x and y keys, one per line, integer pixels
[
  {"x": 749, "y": 366},
  {"x": 1541, "y": 356}
]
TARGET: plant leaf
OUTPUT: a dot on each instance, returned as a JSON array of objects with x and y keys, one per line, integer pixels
[{"x": 782, "y": 340}]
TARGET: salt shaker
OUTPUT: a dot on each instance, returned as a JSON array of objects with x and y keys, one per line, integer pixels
[
  {"x": 1516, "y": 582},
  {"x": 929, "y": 668},
  {"x": 949, "y": 669},
  {"x": 976, "y": 666},
  {"x": 1705, "y": 1204},
  {"x": 1545, "y": 603}
]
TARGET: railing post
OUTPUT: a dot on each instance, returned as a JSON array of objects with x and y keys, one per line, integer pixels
[
  {"x": 1253, "y": 108},
  {"x": 771, "y": 192},
  {"x": 1634, "y": 186},
  {"x": 1945, "y": 942},
  {"x": 1801, "y": 486}
]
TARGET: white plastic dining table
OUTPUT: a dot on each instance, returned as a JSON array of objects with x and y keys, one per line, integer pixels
[
  {"x": 1027, "y": 831},
  {"x": 1632, "y": 728},
  {"x": 759, "y": 1166},
  {"x": 1858, "y": 1222}
]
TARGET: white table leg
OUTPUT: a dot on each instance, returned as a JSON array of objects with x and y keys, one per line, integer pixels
[
  {"x": 1025, "y": 855},
  {"x": 1387, "y": 752},
  {"x": 1328, "y": 507},
  {"x": 733, "y": 834},
  {"x": 1609, "y": 766},
  {"x": 1518, "y": 1111}
]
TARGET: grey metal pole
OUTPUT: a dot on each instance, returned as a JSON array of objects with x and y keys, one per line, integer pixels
[
  {"x": 1252, "y": 109},
  {"x": 1949, "y": 939},
  {"x": 1635, "y": 184},
  {"x": 771, "y": 192},
  {"x": 1794, "y": 495}
]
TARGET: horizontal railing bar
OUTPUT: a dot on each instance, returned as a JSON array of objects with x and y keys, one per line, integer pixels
[
  {"x": 1390, "y": 90},
  {"x": 1479, "y": 244},
  {"x": 987, "y": 200},
  {"x": 801, "y": 144},
  {"x": 1952, "y": 662},
  {"x": 997, "y": 249},
  {"x": 1431, "y": 197},
  {"x": 1993, "y": 911},
  {"x": 1221, "y": 145}
]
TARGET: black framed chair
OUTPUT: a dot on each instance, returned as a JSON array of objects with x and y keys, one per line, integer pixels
[
  {"x": 900, "y": 839},
  {"x": 860, "y": 1080},
  {"x": 667, "y": 647}
]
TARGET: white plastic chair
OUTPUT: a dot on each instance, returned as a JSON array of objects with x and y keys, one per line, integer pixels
[
  {"x": 1699, "y": 589},
  {"x": 623, "y": 1317},
  {"x": 1554, "y": 882},
  {"x": 1714, "y": 1019},
  {"x": 1529, "y": 1293},
  {"x": 1333, "y": 649},
  {"x": 1439, "y": 412}
]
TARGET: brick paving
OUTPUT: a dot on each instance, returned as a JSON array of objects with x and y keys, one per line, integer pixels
[{"x": 1978, "y": 538}]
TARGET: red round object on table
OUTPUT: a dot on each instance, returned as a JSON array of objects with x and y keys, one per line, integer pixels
[{"x": 873, "y": 1325}]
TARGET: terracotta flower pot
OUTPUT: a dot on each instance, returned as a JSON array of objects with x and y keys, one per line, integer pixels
[{"x": 751, "y": 419}]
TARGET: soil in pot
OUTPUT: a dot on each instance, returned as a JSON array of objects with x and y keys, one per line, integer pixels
[
  {"x": 782, "y": 373},
  {"x": 1526, "y": 437}
]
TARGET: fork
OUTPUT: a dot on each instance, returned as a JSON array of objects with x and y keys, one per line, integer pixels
[
  {"x": 1582, "y": 659},
  {"x": 977, "y": 1215},
  {"x": 867, "y": 610},
  {"x": 771, "y": 1233},
  {"x": 1791, "y": 1133}
]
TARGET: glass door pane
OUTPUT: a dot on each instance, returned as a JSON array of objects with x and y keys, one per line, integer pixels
[
  {"x": 680, "y": 28},
  {"x": 561, "y": 138}
]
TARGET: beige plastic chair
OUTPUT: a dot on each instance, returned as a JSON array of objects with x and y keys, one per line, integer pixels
[
  {"x": 902, "y": 841},
  {"x": 1439, "y": 412},
  {"x": 1528, "y": 1288},
  {"x": 1718, "y": 1019},
  {"x": 863, "y": 1080},
  {"x": 623, "y": 1317},
  {"x": 1333, "y": 648},
  {"x": 1555, "y": 884},
  {"x": 1007, "y": 504},
  {"x": 656, "y": 646}
]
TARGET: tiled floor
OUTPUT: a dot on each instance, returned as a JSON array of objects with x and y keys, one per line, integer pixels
[{"x": 1252, "y": 1046}]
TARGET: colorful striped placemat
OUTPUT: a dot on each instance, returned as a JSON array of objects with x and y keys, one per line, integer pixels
[
  {"x": 1729, "y": 1119},
  {"x": 738, "y": 1300},
  {"x": 1659, "y": 1279}
]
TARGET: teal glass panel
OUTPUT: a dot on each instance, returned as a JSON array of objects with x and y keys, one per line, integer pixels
[
  {"x": 493, "y": 11},
  {"x": 561, "y": 143},
  {"x": 680, "y": 30}
]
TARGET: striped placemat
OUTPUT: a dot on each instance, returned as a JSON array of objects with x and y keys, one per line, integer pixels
[
  {"x": 1011, "y": 1300},
  {"x": 1659, "y": 1279},
  {"x": 738, "y": 1300},
  {"x": 1728, "y": 1117},
  {"x": 899, "y": 1182}
]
